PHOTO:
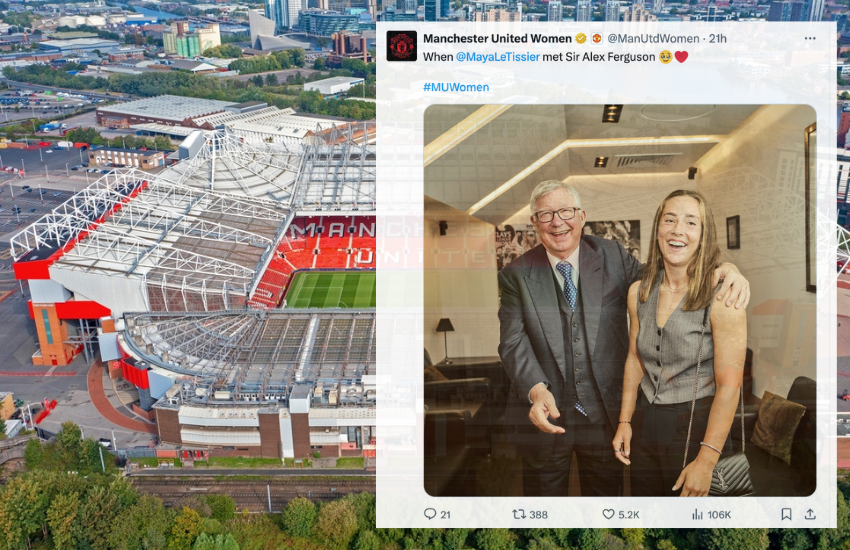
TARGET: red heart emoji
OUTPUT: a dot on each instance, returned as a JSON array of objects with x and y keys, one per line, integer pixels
[{"x": 681, "y": 56}]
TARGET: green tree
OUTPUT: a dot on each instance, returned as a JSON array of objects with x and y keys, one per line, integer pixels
[
  {"x": 216, "y": 542},
  {"x": 142, "y": 526},
  {"x": 336, "y": 524},
  {"x": 367, "y": 540},
  {"x": 271, "y": 79},
  {"x": 455, "y": 539},
  {"x": 62, "y": 518},
  {"x": 299, "y": 517},
  {"x": 186, "y": 528},
  {"x": 162, "y": 143},
  {"x": 319, "y": 64},
  {"x": 85, "y": 135},
  {"x": 495, "y": 539},
  {"x": 634, "y": 537},
  {"x": 592, "y": 539},
  {"x": 2, "y": 429},
  {"x": 222, "y": 507},
  {"x": 363, "y": 505},
  {"x": 734, "y": 539},
  {"x": 258, "y": 81},
  {"x": 23, "y": 511},
  {"x": 33, "y": 455}
]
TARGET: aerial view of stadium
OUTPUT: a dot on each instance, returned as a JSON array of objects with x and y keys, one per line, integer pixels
[{"x": 234, "y": 289}]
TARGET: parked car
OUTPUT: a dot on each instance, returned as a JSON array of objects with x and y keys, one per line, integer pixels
[{"x": 32, "y": 210}]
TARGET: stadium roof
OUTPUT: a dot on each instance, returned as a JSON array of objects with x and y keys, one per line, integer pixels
[
  {"x": 169, "y": 107},
  {"x": 338, "y": 170},
  {"x": 227, "y": 163},
  {"x": 132, "y": 224},
  {"x": 258, "y": 351}
]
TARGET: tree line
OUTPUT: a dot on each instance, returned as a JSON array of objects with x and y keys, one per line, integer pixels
[
  {"x": 190, "y": 85},
  {"x": 275, "y": 61},
  {"x": 69, "y": 499},
  {"x": 60, "y": 78}
]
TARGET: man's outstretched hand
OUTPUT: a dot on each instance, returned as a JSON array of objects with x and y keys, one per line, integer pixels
[{"x": 544, "y": 407}]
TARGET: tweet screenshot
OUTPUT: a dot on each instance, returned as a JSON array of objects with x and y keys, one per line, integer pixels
[{"x": 607, "y": 275}]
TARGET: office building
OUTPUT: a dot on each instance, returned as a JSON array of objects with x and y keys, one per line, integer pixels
[
  {"x": 612, "y": 10},
  {"x": 284, "y": 13},
  {"x": 584, "y": 10},
  {"x": 326, "y": 23},
  {"x": 555, "y": 11},
  {"x": 787, "y": 11},
  {"x": 432, "y": 9}
]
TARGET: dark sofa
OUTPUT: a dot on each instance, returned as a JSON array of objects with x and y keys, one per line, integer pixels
[{"x": 772, "y": 476}]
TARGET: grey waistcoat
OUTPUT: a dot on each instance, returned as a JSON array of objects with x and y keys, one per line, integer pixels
[
  {"x": 669, "y": 354},
  {"x": 580, "y": 385}
]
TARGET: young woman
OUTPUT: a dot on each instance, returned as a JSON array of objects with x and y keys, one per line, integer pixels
[{"x": 668, "y": 308}]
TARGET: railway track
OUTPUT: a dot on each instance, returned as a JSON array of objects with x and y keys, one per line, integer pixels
[
  {"x": 280, "y": 481},
  {"x": 253, "y": 496}
]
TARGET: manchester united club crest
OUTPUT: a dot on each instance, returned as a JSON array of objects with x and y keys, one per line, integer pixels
[{"x": 401, "y": 45}]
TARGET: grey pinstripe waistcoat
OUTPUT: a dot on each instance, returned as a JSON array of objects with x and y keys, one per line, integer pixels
[{"x": 669, "y": 354}]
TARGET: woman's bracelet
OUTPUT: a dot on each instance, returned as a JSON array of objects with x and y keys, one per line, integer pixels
[
  {"x": 625, "y": 422},
  {"x": 712, "y": 447}
]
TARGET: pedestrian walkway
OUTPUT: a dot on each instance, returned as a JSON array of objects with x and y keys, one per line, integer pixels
[{"x": 105, "y": 407}]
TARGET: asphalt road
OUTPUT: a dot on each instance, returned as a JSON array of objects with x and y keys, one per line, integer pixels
[{"x": 24, "y": 85}]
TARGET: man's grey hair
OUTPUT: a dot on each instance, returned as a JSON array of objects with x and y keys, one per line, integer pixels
[{"x": 546, "y": 187}]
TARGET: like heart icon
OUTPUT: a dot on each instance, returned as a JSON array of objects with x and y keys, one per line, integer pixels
[
  {"x": 681, "y": 56},
  {"x": 608, "y": 513}
]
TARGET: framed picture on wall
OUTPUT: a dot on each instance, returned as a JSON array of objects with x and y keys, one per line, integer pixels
[
  {"x": 733, "y": 232},
  {"x": 626, "y": 232}
]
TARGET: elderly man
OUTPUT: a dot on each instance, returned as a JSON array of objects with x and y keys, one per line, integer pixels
[{"x": 563, "y": 343}]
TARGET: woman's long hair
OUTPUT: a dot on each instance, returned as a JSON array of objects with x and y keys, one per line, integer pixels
[{"x": 702, "y": 266}]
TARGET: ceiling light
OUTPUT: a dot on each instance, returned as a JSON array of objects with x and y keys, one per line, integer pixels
[
  {"x": 611, "y": 113},
  {"x": 601, "y": 162}
]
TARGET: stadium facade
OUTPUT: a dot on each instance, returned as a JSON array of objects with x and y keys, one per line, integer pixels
[{"x": 180, "y": 280}]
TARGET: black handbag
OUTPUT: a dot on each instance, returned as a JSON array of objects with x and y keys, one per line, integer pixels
[{"x": 731, "y": 475}]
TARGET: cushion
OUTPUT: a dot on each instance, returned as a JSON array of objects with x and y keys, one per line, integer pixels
[
  {"x": 432, "y": 374},
  {"x": 776, "y": 424}
]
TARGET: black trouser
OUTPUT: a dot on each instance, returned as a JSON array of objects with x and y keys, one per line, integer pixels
[
  {"x": 600, "y": 473},
  {"x": 659, "y": 433}
]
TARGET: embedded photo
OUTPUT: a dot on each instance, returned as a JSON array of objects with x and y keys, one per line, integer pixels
[{"x": 622, "y": 296}]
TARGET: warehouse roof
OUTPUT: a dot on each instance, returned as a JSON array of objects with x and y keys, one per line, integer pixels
[{"x": 169, "y": 107}]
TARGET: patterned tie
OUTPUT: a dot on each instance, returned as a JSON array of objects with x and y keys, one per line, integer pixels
[
  {"x": 570, "y": 292},
  {"x": 565, "y": 269}
]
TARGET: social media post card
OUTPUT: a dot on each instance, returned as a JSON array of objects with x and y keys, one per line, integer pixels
[{"x": 608, "y": 275}]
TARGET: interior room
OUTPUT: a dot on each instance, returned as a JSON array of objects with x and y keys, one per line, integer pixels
[{"x": 751, "y": 163}]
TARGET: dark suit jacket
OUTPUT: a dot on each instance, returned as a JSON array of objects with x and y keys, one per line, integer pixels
[{"x": 531, "y": 343}]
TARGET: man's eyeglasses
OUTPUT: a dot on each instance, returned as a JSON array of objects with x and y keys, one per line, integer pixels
[{"x": 565, "y": 214}]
